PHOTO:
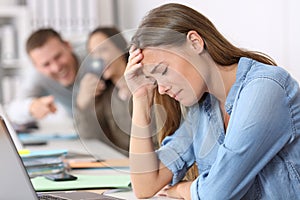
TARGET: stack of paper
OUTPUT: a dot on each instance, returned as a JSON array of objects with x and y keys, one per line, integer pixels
[{"x": 40, "y": 163}]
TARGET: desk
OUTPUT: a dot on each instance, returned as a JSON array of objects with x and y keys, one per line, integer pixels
[
  {"x": 85, "y": 150},
  {"x": 93, "y": 147}
]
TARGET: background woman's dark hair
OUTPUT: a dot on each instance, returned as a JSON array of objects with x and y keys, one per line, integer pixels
[
  {"x": 114, "y": 35},
  {"x": 170, "y": 23}
]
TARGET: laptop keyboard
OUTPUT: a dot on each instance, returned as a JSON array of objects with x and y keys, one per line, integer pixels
[
  {"x": 52, "y": 197},
  {"x": 49, "y": 197},
  {"x": 106, "y": 197}
]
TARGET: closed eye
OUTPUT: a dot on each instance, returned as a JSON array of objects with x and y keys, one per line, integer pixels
[
  {"x": 152, "y": 79},
  {"x": 165, "y": 71}
]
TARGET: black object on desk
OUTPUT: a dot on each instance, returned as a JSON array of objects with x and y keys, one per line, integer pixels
[
  {"x": 34, "y": 142},
  {"x": 61, "y": 177},
  {"x": 25, "y": 128}
]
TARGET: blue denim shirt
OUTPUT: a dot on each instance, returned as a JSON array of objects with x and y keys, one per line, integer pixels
[{"x": 259, "y": 157}]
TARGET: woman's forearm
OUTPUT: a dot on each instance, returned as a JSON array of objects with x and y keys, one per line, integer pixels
[{"x": 144, "y": 164}]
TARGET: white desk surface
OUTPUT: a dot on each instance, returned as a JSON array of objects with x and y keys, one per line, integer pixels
[{"x": 95, "y": 148}]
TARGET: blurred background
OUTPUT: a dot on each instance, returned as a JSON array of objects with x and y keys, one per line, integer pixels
[{"x": 269, "y": 26}]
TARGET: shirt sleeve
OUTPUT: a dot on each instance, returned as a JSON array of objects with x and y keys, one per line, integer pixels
[
  {"x": 176, "y": 152},
  {"x": 260, "y": 121}
]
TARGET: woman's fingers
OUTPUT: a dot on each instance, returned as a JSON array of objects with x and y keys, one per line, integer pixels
[
  {"x": 134, "y": 69},
  {"x": 135, "y": 56},
  {"x": 132, "y": 48},
  {"x": 137, "y": 82},
  {"x": 134, "y": 63}
]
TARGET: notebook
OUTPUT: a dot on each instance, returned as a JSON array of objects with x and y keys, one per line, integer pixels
[{"x": 15, "y": 182}]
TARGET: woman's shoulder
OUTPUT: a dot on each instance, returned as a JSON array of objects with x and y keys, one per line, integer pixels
[{"x": 260, "y": 70}]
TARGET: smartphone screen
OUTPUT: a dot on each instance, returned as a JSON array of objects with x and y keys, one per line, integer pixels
[{"x": 61, "y": 177}]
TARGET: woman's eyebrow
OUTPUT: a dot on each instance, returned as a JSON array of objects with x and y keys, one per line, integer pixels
[{"x": 155, "y": 67}]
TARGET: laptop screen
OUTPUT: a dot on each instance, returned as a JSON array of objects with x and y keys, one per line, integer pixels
[
  {"x": 15, "y": 182},
  {"x": 10, "y": 128}
]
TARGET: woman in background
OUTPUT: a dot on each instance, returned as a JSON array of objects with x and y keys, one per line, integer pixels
[
  {"x": 104, "y": 110},
  {"x": 242, "y": 125}
]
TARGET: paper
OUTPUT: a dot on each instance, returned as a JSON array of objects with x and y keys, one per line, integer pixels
[
  {"x": 83, "y": 182},
  {"x": 43, "y": 162}
]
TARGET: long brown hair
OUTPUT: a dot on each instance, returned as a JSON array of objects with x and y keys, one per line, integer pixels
[{"x": 174, "y": 111}]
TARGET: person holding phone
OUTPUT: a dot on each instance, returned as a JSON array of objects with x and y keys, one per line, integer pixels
[
  {"x": 109, "y": 114},
  {"x": 242, "y": 122}
]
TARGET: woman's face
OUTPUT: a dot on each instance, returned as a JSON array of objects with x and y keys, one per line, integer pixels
[
  {"x": 100, "y": 46},
  {"x": 175, "y": 76}
]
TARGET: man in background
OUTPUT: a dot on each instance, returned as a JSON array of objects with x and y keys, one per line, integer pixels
[{"x": 50, "y": 81}]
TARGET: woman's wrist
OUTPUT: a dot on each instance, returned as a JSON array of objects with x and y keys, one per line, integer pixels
[
  {"x": 143, "y": 123},
  {"x": 142, "y": 110},
  {"x": 184, "y": 189}
]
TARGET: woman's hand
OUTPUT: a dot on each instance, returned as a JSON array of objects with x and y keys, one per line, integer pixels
[
  {"x": 180, "y": 191},
  {"x": 139, "y": 84},
  {"x": 90, "y": 87}
]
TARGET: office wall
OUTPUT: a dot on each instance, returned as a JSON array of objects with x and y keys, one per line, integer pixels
[{"x": 269, "y": 26}]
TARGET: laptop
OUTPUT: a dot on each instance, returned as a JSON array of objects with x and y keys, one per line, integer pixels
[
  {"x": 13, "y": 133},
  {"x": 15, "y": 182}
]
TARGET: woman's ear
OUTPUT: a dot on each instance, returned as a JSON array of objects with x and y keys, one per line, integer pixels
[{"x": 195, "y": 41}]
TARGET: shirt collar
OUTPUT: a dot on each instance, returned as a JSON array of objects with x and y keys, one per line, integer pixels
[{"x": 244, "y": 67}]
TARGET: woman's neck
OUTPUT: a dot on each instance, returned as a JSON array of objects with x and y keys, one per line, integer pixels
[
  {"x": 222, "y": 81},
  {"x": 228, "y": 74}
]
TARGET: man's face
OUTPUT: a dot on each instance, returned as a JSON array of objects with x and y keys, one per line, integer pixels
[{"x": 55, "y": 60}]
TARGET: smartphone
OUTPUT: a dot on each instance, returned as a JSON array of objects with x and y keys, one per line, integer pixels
[
  {"x": 95, "y": 65},
  {"x": 61, "y": 177}
]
